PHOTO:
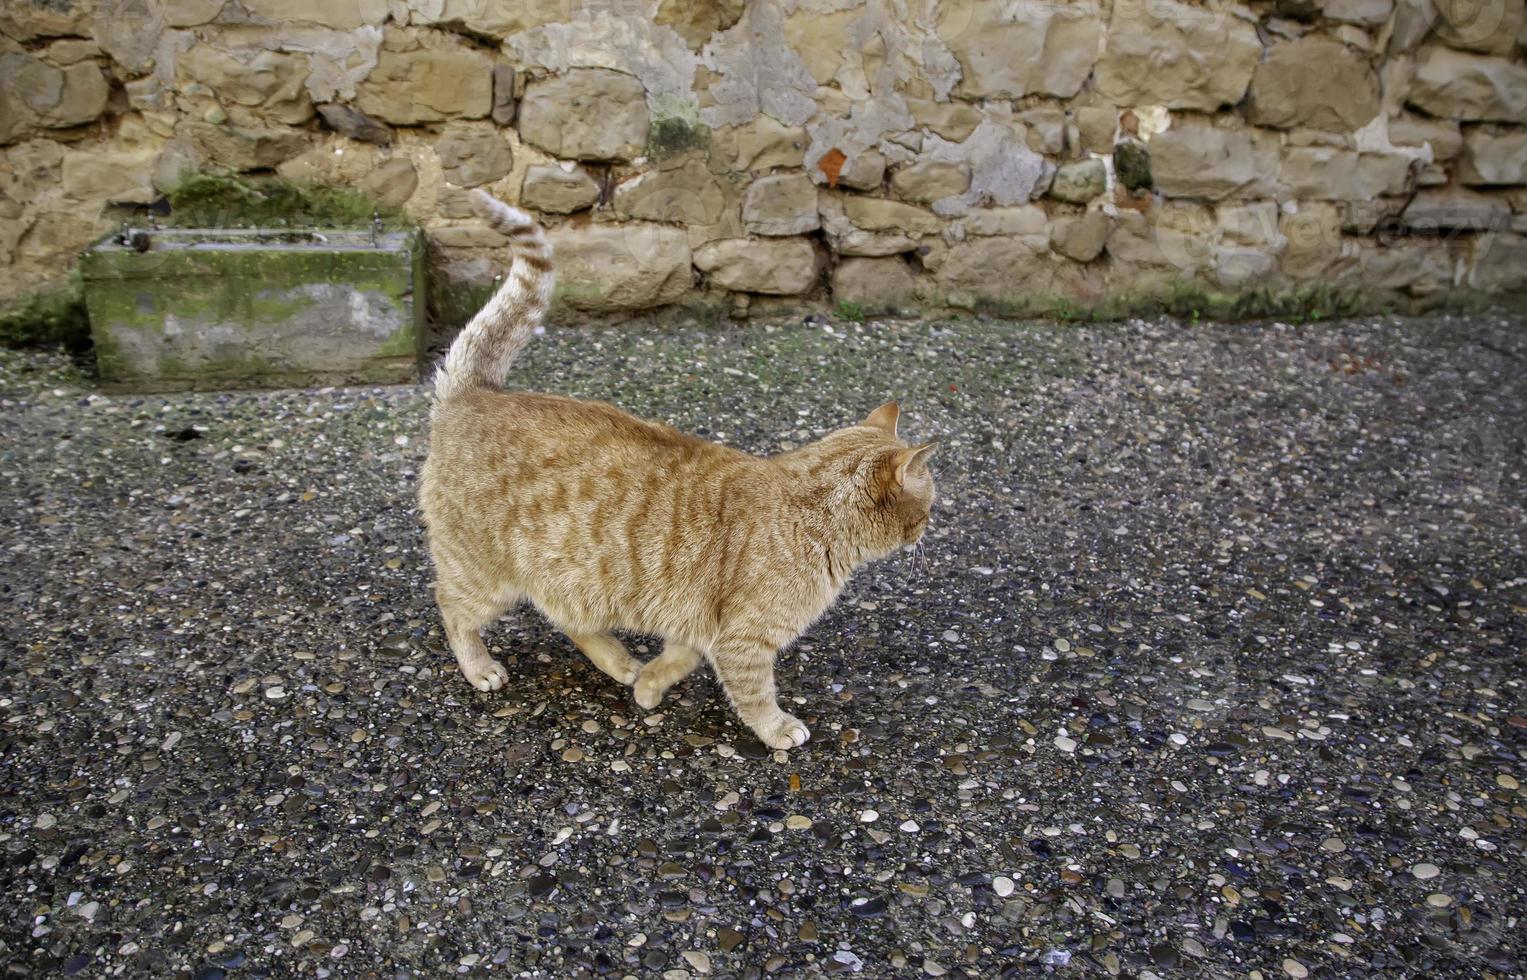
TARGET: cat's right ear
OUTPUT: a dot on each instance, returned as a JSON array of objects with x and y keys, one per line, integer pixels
[{"x": 884, "y": 418}]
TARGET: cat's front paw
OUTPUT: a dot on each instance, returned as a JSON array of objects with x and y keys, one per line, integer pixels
[
  {"x": 783, "y": 732},
  {"x": 486, "y": 674},
  {"x": 649, "y": 689}
]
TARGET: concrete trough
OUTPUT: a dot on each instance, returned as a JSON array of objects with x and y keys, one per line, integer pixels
[{"x": 175, "y": 309}]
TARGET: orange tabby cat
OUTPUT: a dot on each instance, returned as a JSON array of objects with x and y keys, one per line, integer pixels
[{"x": 606, "y": 521}]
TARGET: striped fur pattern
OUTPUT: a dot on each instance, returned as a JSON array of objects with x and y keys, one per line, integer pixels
[
  {"x": 606, "y": 521},
  {"x": 483, "y": 351}
]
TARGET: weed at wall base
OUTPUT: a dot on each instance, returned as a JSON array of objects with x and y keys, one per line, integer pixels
[{"x": 49, "y": 318}]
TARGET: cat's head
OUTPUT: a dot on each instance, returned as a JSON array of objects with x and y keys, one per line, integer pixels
[{"x": 894, "y": 483}]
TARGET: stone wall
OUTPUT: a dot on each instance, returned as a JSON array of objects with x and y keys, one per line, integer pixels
[{"x": 879, "y": 152}]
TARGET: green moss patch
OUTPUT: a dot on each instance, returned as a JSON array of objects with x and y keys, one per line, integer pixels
[
  {"x": 51, "y": 318},
  {"x": 675, "y": 128},
  {"x": 1132, "y": 165},
  {"x": 213, "y": 201},
  {"x": 670, "y": 137}
]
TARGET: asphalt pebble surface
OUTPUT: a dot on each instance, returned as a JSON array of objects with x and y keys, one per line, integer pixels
[{"x": 1210, "y": 666}]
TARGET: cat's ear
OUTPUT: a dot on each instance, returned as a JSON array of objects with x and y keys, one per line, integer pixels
[
  {"x": 912, "y": 461},
  {"x": 884, "y": 418}
]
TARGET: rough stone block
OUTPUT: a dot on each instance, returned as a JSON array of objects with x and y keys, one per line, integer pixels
[
  {"x": 930, "y": 180},
  {"x": 783, "y": 204},
  {"x": 864, "y": 172},
  {"x": 758, "y": 145},
  {"x": 1196, "y": 160},
  {"x": 874, "y": 284},
  {"x": 1177, "y": 55},
  {"x": 991, "y": 267},
  {"x": 427, "y": 85},
  {"x": 35, "y": 95},
  {"x": 685, "y": 193},
  {"x": 1474, "y": 88},
  {"x": 776, "y": 266},
  {"x": 119, "y": 177},
  {"x": 951, "y": 120},
  {"x": 353, "y": 123},
  {"x": 1023, "y": 220},
  {"x": 552, "y": 190},
  {"x": 615, "y": 268},
  {"x": 1082, "y": 237},
  {"x": 392, "y": 183},
  {"x": 216, "y": 309},
  {"x": 1326, "y": 173},
  {"x": 1494, "y": 156},
  {"x": 1498, "y": 262},
  {"x": 470, "y": 157},
  {"x": 1079, "y": 182},
  {"x": 879, "y": 214},
  {"x": 586, "y": 114},
  {"x": 1314, "y": 82},
  {"x": 1028, "y": 47}
]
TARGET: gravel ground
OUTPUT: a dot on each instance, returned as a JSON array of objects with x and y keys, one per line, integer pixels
[{"x": 1212, "y": 668}]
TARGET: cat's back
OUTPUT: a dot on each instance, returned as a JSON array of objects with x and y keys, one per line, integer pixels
[
  {"x": 553, "y": 433},
  {"x": 601, "y": 518}
]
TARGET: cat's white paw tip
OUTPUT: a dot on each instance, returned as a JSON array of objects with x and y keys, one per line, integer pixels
[
  {"x": 487, "y": 676},
  {"x": 789, "y": 733}
]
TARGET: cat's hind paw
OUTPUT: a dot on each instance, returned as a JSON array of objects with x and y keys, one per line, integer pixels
[
  {"x": 486, "y": 674},
  {"x": 784, "y": 732}
]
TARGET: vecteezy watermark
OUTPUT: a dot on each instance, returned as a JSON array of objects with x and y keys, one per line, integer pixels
[
  {"x": 1482, "y": 25},
  {"x": 1240, "y": 241},
  {"x": 1441, "y": 225}
]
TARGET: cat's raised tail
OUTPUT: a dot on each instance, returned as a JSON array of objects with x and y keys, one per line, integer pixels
[{"x": 482, "y": 353}]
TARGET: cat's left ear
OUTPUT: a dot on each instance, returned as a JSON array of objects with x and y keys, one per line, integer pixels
[
  {"x": 912, "y": 461},
  {"x": 884, "y": 418}
]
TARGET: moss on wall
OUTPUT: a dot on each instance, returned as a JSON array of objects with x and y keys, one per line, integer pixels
[
  {"x": 675, "y": 129},
  {"x": 217, "y": 201},
  {"x": 52, "y": 318}
]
